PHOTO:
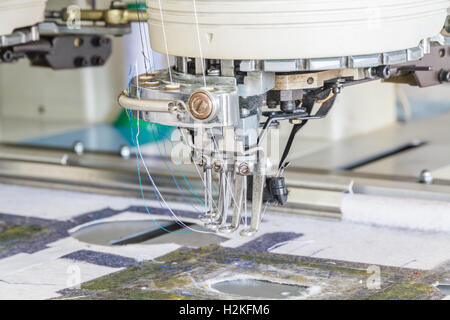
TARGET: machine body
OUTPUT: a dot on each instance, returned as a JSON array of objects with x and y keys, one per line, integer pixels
[{"x": 237, "y": 75}]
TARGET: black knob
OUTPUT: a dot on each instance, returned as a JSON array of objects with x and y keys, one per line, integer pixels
[
  {"x": 444, "y": 76},
  {"x": 81, "y": 62}
]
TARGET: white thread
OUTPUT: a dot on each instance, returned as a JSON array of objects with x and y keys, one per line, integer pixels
[
  {"x": 165, "y": 41},
  {"x": 199, "y": 41}
]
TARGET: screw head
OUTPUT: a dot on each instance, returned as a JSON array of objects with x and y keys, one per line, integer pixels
[
  {"x": 444, "y": 75},
  {"x": 213, "y": 72},
  {"x": 201, "y": 162},
  {"x": 217, "y": 166},
  {"x": 200, "y": 105},
  {"x": 244, "y": 169},
  {"x": 426, "y": 177}
]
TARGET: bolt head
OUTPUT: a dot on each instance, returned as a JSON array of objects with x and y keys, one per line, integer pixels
[
  {"x": 200, "y": 105},
  {"x": 244, "y": 169},
  {"x": 217, "y": 166},
  {"x": 213, "y": 72},
  {"x": 201, "y": 162},
  {"x": 444, "y": 76}
]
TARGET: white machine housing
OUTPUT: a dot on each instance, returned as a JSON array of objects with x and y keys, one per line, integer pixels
[{"x": 291, "y": 29}]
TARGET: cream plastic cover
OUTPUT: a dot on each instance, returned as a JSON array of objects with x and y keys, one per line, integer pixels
[
  {"x": 288, "y": 29},
  {"x": 20, "y": 13}
]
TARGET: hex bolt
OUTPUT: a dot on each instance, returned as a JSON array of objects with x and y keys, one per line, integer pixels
[{"x": 426, "y": 177}]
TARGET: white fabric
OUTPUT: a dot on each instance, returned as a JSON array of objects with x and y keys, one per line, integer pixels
[{"x": 405, "y": 213}]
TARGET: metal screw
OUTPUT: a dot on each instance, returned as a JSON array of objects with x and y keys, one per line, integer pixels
[
  {"x": 383, "y": 72},
  {"x": 181, "y": 107},
  {"x": 295, "y": 121},
  {"x": 80, "y": 62},
  {"x": 213, "y": 72},
  {"x": 444, "y": 76},
  {"x": 244, "y": 169},
  {"x": 97, "y": 61},
  {"x": 125, "y": 152},
  {"x": 310, "y": 80},
  {"x": 200, "y": 105},
  {"x": 217, "y": 166},
  {"x": 78, "y": 147},
  {"x": 426, "y": 177},
  {"x": 8, "y": 56},
  {"x": 173, "y": 108},
  {"x": 201, "y": 162}
]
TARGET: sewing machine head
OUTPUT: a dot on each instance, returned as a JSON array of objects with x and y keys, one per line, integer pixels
[
  {"x": 237, "y": 75},
  {"x": 242, "y": 67}
]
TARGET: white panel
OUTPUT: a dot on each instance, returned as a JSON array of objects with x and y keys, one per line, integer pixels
[
  {"x": 20, "y": 13},
  {"x": 288, "y": 29}
]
